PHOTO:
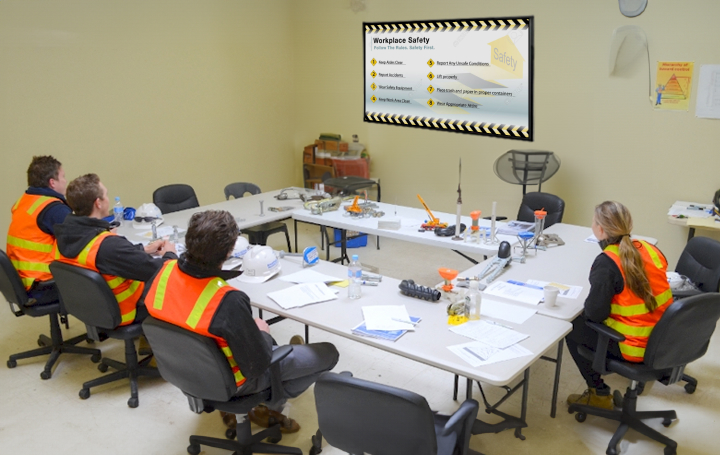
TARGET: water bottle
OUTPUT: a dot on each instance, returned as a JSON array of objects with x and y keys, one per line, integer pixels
[
  {"x": 473, "y": 300},
  {"x": 355, "y": 278},
  {"x": 118, "y": 210}
]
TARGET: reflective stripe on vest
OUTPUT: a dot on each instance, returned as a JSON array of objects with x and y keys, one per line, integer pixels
[
  {"x": 188, "y": 302},
  {"x": 628, "y": 313},
  {"x": 28, "y": 247},
  {"x": 127, "y": 292}
]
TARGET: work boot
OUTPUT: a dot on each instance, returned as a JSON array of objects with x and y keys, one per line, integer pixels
[
  {"x": 263, "y": 416},
  {"x": 297, "y": 339},
  {"x": 591, "y": 398},
  {"x": 229, "y": 419}
]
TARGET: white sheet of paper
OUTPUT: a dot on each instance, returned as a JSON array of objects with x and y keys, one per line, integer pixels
[
  {"x": 488, "y": 333},
  {"x": 523, "y": 294},
  {"x": 386, "y": 317},
  {"x": 309, "y": 276},
  {"x": 505, "y": 311},
  {"x": 566, "y": 290},
  {"x": 475, "y": 351},
  {"x": 302, "y": 294}
]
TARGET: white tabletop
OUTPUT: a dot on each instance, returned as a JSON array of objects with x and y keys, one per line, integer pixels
[
  {"x": 411, "y": 219},
  {"x": 427, "y": 344},
  {"x": 246, "y": 211},
  {"x": 567, "y": 264}
]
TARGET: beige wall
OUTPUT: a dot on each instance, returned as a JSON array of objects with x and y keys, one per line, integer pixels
[
  {"x": 147, "y": 93},
  {"x": 209, "y": 92},
  {"x": 612, "y": 144}
]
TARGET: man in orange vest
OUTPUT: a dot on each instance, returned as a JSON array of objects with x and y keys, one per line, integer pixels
[
  {"x": 31, "y": 236},
  {"x": 86, "y": 240},
  {"x": 193, "y": 293}
]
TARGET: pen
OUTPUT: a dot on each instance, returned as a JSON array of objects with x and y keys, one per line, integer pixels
[
  {"x": 369, "y": 283},
  {"x": 498, "y": 324},
  {"x": 520, "y": 283},
  {"x": 404, "y": 322}
]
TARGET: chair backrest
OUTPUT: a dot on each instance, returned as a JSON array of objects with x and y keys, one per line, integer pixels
[
  {"x": 700, "y": 261},
  {"x": 86, "y": 295},
  {"x": 683, "y": 333},
  {"x": 190, "y": 361},
  {"x": 553, "y": 205},
  {"x": 11, "y": 285},
  {"x": 359, "y": 416},
  {"x": 173, "y": 198},
  {"x": 238, "y": 189}
]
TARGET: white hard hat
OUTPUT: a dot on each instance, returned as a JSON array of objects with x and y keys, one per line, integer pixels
[
  {"x": 145, "y": 215},
  {"x": 259, "y": 265},
  {"x": 242, "y": 246}
]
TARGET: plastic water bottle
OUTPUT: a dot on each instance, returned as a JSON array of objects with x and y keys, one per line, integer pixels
[
  {"x": 473, "y": 301},
  {"x": 118, "y": 210},
  {"x": 355, "y": 278}
]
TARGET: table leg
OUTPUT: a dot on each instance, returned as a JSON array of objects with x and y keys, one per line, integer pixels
[
  {"x": 691, "y": 233},
  {"x": 558, "y": 364},
  {"x": 295, "y": 226}
]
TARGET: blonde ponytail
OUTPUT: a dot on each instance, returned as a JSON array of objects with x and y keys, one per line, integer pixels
[{"x": 616, "y": 221}]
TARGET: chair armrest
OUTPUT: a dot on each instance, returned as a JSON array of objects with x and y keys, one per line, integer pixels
[
  {"x": 682, "y": 294},
  {"x": 467, "y": 411},
  {"x": 277, "y": 392},
  {"x": 605, "y": 334}
]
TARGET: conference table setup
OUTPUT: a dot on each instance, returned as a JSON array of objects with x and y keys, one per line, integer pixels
[{"x": 432, "y": 340}]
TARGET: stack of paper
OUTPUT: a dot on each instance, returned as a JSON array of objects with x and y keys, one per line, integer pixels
[
  {"x": 516, "y": 290},
  {"x": 388, "y": 322},
  {"x": 302, "y": 294},
  {"x": 515, "y": 227},
  {"x": 390, "y": 335},
  {"x": 493, "y": 343}
]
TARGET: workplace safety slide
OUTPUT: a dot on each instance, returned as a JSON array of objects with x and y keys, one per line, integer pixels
[{"x": 472, "y": 76}]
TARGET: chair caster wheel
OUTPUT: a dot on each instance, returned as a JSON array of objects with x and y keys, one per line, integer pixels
[
  {"x": 84, "y": 394},
  {"x": 618, "y": 399},
  {"x": 611, "y": 451},
  {"x": 640, "y": 388},
  {"x": 690, "y": 388},
  {"x": 193, "y": 449},
  {"x": 89, "y": 341},
  {"x": 230, "y": 433},
  {"x": 95, "y": 358},
  {"x": 670, "y": 450},
  {"x": 273, "y": 440},
  {"x": 580, "y": 417},
  {"x": 41, "y": 343},
  {"x": 667, "y": 422},
  {"x": 11, "y": 363},
  {"x": 133, "y": 402},
  {"x": 102, "y": 367},
  {"x": 46, "y": 374},
  {"x": 314, "y": 451}
]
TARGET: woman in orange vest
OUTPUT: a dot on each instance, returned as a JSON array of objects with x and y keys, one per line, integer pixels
[{"x": 629, "y": 292}]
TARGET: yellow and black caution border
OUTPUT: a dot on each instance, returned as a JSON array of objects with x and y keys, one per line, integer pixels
[{"x": 519, "y": 132}]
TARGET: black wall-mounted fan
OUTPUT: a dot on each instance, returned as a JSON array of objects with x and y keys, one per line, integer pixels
[{"x": 526, "y": 167}]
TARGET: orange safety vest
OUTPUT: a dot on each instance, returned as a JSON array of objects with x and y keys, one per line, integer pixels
[
  {"x": 190, "y": 303},
  {"x": 628, "y": 314},
  {"x": 29, "y": 248},
  {"x": 127, "y": 292}
]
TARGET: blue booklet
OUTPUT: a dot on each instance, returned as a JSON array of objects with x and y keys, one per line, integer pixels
[{"x": 390, "y": 335}]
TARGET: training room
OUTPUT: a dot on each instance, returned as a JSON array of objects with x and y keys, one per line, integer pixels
[{"x": 207, "y": 93}]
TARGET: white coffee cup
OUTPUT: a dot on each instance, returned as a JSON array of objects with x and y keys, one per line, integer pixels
[{"x": 551, "y": 293}]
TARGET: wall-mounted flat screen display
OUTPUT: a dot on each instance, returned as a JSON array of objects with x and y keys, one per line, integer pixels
[{"x": 471, "y": 76}]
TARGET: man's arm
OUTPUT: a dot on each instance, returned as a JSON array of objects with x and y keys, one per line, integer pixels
[
  {"x": 118, "y": 256},
  {"x": 605, "y": 281},
  {"x": 53, "y": 214},
  {"x": 251, "y": 347}
]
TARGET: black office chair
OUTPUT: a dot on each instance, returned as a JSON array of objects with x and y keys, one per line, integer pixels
[
  {"x": 196, "y": 365},
  {"x": 88, "y": 297},
  {"x": 681, "y": 336},
  {"x": 358, "y": 416},
  {"x": 700, "y": 262},
  {"x": 257, "y": 235},
  {"x": 173, "y": 198},
  {"x": 12, "y": 288},
  {"x": 553, "y": 205}
]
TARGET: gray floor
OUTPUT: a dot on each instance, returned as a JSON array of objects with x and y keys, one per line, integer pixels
[{"x": 48, "y": 417}]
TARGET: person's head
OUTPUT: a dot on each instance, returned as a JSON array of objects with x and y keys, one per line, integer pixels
[
  {"x": 87, "y": 196},
  {"x": 210, "y": 238},
  {"x": 46, "y": 172},
  {"x": 613, "y": 223}
]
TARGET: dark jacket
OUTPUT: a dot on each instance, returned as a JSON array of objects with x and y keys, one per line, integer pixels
[
  {"x": 117, "y": 255},
  {"x": 233, "y": 321}
]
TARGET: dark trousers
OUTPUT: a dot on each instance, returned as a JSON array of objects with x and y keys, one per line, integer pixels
[{"x": 582, "y": 335}]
